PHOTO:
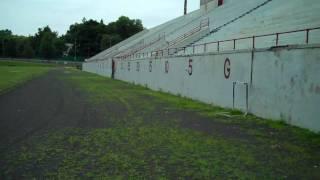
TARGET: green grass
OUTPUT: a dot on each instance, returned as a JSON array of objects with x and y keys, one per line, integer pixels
[
  {"x": 146, "y": 139},
  {"x": 13, "y": 73},
  {"x": 138, "y": 153}
]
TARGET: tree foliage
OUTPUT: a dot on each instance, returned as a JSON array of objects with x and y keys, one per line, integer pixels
[
  {"x": 88, "y": 38},
  {"x": 46, "y": 48},
  {"x": 28, "y": 51},
  {"x": 92, "y": 36}
]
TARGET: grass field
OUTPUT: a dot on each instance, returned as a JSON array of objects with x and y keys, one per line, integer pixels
[
  {"x": 154, "y": 135},
  {"x": 14, "y": 73}
]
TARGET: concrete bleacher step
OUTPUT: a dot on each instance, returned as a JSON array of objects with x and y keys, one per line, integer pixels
[
  {"x": 281, "y": 18},
  {"x": 234, "y": 19},
  {"x": 191, "y": 40},
  {"x": 188, "y": 21},
  {"x": 170, "y": 28}
]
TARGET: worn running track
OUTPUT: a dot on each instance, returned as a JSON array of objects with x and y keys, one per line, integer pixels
[
  {"x": 45, "y": 103},
  {"x": 51, "y": 103}
]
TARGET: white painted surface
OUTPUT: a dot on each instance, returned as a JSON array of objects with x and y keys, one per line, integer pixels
[{"x": 285, "y": 82}]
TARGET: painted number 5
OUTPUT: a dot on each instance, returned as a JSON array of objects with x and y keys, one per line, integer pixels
[
  {"x": 166, "y": 67},
  {"x": 190, "y": 67},
  {"x": 150, "y": 66}
]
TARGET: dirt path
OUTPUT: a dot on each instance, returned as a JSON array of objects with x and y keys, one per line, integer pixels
[
  {"x": 42, "y": 104},
  {"x": 69, "y": 124}
]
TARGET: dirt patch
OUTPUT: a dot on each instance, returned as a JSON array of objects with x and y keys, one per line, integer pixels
[
  {"x": 212, "y": 127},
  {"x": 190, "y": 120}
]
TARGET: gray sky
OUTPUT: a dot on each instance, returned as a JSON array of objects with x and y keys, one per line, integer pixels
[{"x": 24, "y": 17}]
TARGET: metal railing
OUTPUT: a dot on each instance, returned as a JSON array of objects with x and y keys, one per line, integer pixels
[
  {"x": 254, "y": 39},
  {"x": 203, "y": 24},
  {"x": 136, "y": 49}
]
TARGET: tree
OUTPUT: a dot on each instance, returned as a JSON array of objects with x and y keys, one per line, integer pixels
[
  {"x": 60, "y": 47},
  {"x": 93, "y": 36},
  {"x": 46, "y": 48},
  {"x": 88, "y": 35},
  {"x": 28, "y": 51},
  {"x": 109, "y": 40},
  {"x": 37, "y": 39},
  {"x": 19, "y": 41},
  {"x": 5, "y": 36},
  {"x": 47, "y": 44},
  {"x": 125, "y": 27},
  {"x": 11, "y": 47}
]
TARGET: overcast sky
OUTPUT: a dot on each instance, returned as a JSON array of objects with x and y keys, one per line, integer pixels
[{"x": 24, "y": 17}]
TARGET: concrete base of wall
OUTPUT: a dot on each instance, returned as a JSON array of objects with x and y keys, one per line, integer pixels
[{"x": 283, "y": 83}]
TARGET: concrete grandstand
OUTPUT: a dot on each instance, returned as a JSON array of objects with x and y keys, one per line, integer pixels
[{"x": 258, "y": 56}]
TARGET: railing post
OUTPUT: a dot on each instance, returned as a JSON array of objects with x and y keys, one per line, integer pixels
[
  {"x": 247, "y": 97},
  {"x": 184, "y": 50},
  {"x": 205, "y": 47},
  {"x": 253, "y": 42},
  {"x": 277, "y": 39},
  {"x": 233, "y": 94},
  {"x": 218, "y": 46},
  {"x": 307, "y": 36}
]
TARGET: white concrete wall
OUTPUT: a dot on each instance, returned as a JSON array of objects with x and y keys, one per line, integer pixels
[
  {"x": 286, "y": 85},
  {"x": 285, "y": 82}
]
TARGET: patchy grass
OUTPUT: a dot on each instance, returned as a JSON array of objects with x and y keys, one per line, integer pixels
[
  {"x": 14, "y": 73},
  {"x": 147, "y": 139},
  {"x": 24, "y": 64},
  {"x": 140, "y": 153}
]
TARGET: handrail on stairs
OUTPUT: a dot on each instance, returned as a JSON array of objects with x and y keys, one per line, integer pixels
[
  {"x": 135, "y": 49},
  {"x": 203, "y": 24}
]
